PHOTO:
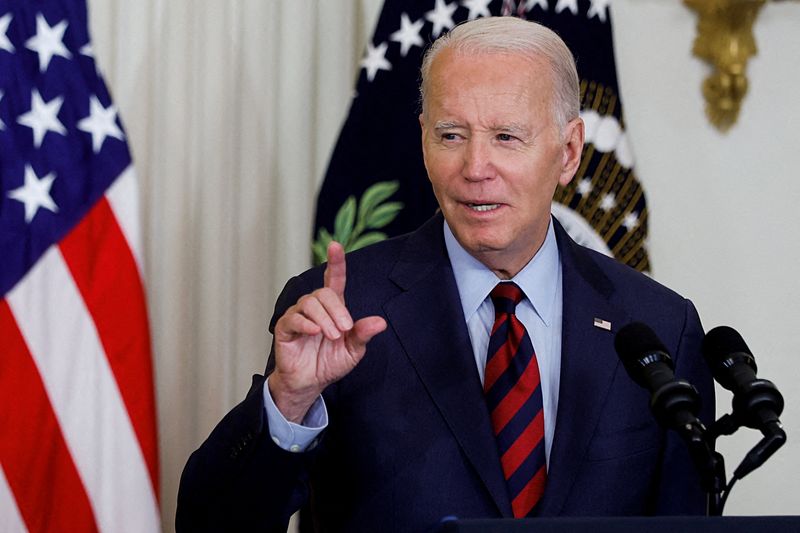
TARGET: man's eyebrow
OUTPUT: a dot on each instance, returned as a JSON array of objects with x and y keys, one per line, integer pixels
[
  {"x": 514, "y": 128},
  {"x": 445, "y": 125}
]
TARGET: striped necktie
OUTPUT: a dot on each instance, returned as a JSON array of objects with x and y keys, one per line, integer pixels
[{"x": 514, "y": 399}]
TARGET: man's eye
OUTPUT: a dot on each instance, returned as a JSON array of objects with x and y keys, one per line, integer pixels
[
  {"x": 449, "y": 137},
  {"x": 505, "y": 137}
]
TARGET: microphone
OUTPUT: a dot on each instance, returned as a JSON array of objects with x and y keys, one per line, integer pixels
[
  {"x": 757, "y": 403},
  {"x": 674, "y": 402}
]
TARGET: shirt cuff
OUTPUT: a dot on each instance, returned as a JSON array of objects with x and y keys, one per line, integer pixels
[{"x": 290, "y": 436}]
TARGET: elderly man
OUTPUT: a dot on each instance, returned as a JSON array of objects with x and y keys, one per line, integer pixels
[{"x": 460, "y": 370}]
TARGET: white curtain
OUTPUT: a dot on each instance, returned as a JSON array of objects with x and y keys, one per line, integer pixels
[{"x": 231, "y": 110}]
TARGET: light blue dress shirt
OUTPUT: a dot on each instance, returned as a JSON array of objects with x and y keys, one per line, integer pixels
[{"x": 540, "y": 312}]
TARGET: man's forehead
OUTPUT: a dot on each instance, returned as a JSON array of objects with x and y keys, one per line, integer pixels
[
  {"x": 507, "y": 74},
  {"x": 458, "y": 58}
]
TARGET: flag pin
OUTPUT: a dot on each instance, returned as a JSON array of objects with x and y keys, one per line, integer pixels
[{"x": 602, "y": 324}]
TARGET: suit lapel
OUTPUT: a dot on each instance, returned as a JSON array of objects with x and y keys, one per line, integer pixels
[
  {"x": 588, "y": 365},
  {"x": 428, "y": 319}
]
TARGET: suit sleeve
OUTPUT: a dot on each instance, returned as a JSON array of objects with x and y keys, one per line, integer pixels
[
  {"x": 239, "y": 479},
  {"x": 679, "y": 491}
]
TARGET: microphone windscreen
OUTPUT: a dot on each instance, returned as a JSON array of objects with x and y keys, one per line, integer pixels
[
  {"x": 636, "y": 340},
  {"x": 721, "y": 342}
]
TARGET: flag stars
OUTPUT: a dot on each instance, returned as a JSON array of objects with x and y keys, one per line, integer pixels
[
  {"x": 572, "y": 5},
  {"x": 35, "y": 193},
  {"x": 530, "y": 4},
  {"x": 408, "y": 34},
  {"x": 599, "y": 8},
  {"x": 477, "y": 8},
  {"x": 520, "y": 7},
  {"x": 376, "y": 60},
  {"x": 585, "y": 186},
  {"x": 608, "y": 202},
  {"x": 5, "y": 43},
  {"x": 631, "y": 220},
  {"x": 101, "y": 123},
  {"x": 441, "y": 16},
  {"x": 43, "y": 117},
  {"x": 48, "y": 41}
]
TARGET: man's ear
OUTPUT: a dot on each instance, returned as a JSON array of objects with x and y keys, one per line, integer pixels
[{"x": 573, "y": 148}]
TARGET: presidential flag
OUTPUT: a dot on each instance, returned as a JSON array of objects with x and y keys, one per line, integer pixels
[
  {"x": 77, "y": 412},
  {"x": 376, "y": 185}
]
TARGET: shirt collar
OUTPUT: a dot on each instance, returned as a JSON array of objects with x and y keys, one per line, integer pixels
[{"x": 538, "y": 279}]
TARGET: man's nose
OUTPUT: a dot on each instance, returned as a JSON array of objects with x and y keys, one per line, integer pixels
[{"x": 477, "y": 161}]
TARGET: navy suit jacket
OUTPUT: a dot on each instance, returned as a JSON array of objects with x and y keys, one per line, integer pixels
[{"x": 410, "y": 440}]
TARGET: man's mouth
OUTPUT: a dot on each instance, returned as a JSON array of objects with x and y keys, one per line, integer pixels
[{"x": 483, "y": 207}]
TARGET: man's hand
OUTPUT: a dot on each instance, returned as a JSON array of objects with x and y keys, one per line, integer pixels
[{"x": 317, "y": 343}]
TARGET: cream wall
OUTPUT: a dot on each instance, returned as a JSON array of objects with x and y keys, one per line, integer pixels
[
  {"x": 232, "y": 108},
  {"x": 725, "y": 208}
]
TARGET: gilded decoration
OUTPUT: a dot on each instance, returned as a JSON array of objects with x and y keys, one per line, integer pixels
[{"x": 725, "y": 40}]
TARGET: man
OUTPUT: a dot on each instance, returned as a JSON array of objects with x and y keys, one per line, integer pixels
[{"x": 392, "y": 371}]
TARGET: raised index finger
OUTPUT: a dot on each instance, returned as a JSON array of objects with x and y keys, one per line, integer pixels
[{"x": 335, "y": 272}]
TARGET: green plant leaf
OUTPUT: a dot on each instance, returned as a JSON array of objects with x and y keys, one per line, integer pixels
[
  {"x": 320, "y": 246},
  {"x": 383, "y": 214},
  {"x": 370, "y": 212},
  {"x": 345, "y": 219},
  {"x": 373, "y": 196},
  {"x": 325, "y": 238},
  {"x": 319, "y": 252},
  {"x": 368, "y": 238}
]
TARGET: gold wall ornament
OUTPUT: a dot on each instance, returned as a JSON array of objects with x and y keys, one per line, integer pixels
[{"x": 725, "y": 39}]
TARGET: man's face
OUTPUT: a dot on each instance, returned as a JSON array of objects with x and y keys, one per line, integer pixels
[{"x": 494, "y": 153}]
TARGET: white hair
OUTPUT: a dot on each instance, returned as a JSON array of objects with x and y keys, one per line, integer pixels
[{"x": 511, "y": 35}]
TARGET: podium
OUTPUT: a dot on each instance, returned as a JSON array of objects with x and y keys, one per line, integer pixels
[{"x": 666, "y": 524}]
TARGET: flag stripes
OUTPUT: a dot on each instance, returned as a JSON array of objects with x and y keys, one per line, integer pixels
[
  {"x": 80, "y": 348},
  {"x": 106, "y": 276},
  {"x": 10, "y": 519},
  {"x": 32, "y": 450},
  {"x": 123, "y": 195}
]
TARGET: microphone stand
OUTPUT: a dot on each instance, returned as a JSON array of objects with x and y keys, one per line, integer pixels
[
  {"x": 709, "y": 463},
  {"x": 675, "y": 405},
  {"x": 773, "y": 438},
  {"x": 756, "y": 406}
]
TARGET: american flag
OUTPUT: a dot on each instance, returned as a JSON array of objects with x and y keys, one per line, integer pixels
[{"x": 77, "y": 412}]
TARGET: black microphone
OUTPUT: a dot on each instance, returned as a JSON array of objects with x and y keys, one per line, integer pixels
[
  {"x": 674, "y": 402},
  {"x": 757, "y": 403}
]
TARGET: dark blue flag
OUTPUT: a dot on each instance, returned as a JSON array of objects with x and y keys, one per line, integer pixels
[{"x": 376, "y": 185}]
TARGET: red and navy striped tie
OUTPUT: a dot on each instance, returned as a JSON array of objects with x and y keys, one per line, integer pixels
[{"x": 514, "y": 397}]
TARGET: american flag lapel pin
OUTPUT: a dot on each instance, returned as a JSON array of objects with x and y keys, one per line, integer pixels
[{"x": 602, "y": 324}]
